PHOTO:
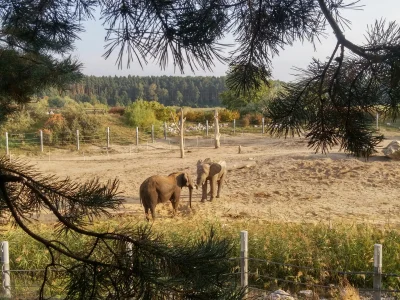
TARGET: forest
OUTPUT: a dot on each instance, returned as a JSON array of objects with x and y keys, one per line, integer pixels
[{"x": 168, "y": 90}]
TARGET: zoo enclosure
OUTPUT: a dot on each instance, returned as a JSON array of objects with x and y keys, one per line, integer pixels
[
  {"x": 253, "y": 281},
  {"x": 202, "y": 132}
]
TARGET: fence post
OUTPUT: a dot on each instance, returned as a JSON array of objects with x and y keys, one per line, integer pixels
[
  {"x": 234, "y": 126},
  {"x": 206, "y": 127},
  {"x": 377, "y": 120},
  {"x": 152, "y": 133},
  {"x": 7, "y": 150},
  {"x": 77, "y": 140},
  {"x": 244, "y": 263},
  {"x": 41, "y": 140},
  {"x": 108, "y": 137},
  {"x": 5, "y": 259},
  {"x": 263, "y": 125},
  {"x": 165, "y": 130},
  {"x": 377, "y": 271},
  {"x": 137, "y": 136}
]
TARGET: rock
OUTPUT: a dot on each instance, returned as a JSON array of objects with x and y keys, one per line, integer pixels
[
  {"x": 392, "y": 150},
  {"x": 306, "y": 293},
  {"x": 280, "y": 294}
]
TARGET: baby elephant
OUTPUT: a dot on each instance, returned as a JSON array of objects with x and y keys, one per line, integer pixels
[
  {"x": 213, "y": 172},
  {"x": 159, "y": 189}
]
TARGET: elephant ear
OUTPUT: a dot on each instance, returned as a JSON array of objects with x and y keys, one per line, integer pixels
[
  {"x": 215, "y": 169},
  {"x": 186, "y": 179},
  {"x": 207, "y": 161},
  {"x": 199, "y": 162},
  {"x": 182, "y": 179}
]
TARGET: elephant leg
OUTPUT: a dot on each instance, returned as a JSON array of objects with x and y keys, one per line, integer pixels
[
  {"x": 153, "y": 211},
  {"x": 220, "y": 185},
  {"x": 146, "y": 212},
  {"x": 213, "y": 188},
  {"x": 204, "y": 192}
]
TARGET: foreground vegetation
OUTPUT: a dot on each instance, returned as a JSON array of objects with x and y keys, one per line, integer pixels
[{"x": 288, "y": 256}]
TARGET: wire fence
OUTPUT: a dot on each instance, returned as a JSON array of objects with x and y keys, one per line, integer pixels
[{"x": 258, "y": 276}]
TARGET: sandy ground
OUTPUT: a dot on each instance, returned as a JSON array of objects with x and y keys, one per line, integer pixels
[{"x": 271, "y": 179}]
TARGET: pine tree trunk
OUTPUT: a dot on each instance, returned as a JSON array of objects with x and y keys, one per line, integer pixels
[{"x": 216, "y": 130}]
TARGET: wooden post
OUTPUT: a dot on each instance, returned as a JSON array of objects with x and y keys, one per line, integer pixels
[
  {"x": 216, "y": 130},
  {"x": 152, "y": 133},
  {"x": 377, "y": 121},
  {"x": 263, "y": 125},
  {"x": 165, "y": 130},
  {"x": 244, "y": 263},
  {"x": 137, "y": 136},
  {"x": 7, "y": 150},
  {"x": 108, "y": 137},
  {"x": 206, "y": 127},
  {"x": 377, "y": 271},
  {"x": 182, "y": 134},
  {"x": 77, "y": 140},
  {"x": 5, "y": 258},
  {"x": 41, "y": 140},
  {"x": 234, "y": 126}
]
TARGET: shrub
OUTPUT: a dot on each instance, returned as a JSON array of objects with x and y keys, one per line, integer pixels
[
  {"x": 195, "y": 116},
  {"x": 118, "y": 110},
  {"x": 226, "y": 115},
  {"x": 245, "y": 120},
  {"x": 140, "y": 114},
  {"x": 256, "y": 119}
]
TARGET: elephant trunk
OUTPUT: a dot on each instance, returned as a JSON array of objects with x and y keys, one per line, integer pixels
[{"x": 190, "y": 196}]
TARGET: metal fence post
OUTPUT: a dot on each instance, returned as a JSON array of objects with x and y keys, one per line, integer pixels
[
  {"x": 137, "y": 136},
  {"x": 77, "y": 139},
  {"x": 5, "y": 259},
  {"x": 377, "y": 271},
  {"x": 244, "y": 263},
  {"x": 41, "y": 140},
  {"x": 108, "y": 137},
  {"x": 7, "y": 150},
  {"x": 234, "y": 126}
]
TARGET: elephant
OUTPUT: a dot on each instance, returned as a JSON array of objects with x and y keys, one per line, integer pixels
[
  {"x": 213, "y": 172},
  {"x": 159, "y": 189}
]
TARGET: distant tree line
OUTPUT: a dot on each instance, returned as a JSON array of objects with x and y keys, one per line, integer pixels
[{"x": 167, "y": 90}]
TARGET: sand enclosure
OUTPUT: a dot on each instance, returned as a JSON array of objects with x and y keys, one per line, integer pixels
[{"x": 271, "y": 179}]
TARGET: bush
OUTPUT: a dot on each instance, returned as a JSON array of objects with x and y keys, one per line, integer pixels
[
  {"x": 245, "y": 120},
  {"x": 118, "y": 110},
  {"x": 256, "y": 119},
  {"x": 227, "y": 115},
  {"x": 195, "y": 116},
  {"x": 140, "y": 114}
]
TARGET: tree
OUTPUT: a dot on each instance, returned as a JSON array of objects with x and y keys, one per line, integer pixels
[{"x": 132, "y": 262}]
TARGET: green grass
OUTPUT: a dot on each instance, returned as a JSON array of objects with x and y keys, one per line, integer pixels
[{"x": 303, "y": 253}]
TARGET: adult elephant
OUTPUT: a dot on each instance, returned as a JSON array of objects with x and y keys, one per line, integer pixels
[
  {"x": 213, "y": 172},
  {"x": 159, "y": 189}
]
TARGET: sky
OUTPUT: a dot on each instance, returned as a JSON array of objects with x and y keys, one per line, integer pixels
[{"x": 90, "y": 47}]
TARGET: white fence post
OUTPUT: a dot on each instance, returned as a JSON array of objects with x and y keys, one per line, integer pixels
[
  {"x": 41, "y": 140},
  {"x": 263, "y": 125},
  {"x": 137, "y": 136},
  {"x": 7, "y": 150},
  {"x": 244, "y": 263},
  {"x": 77, "y": 140},
  {"x": 5, "y": 259},
  {"x": 108, "y": 137},
  {"x": 377, "y": 271}
]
